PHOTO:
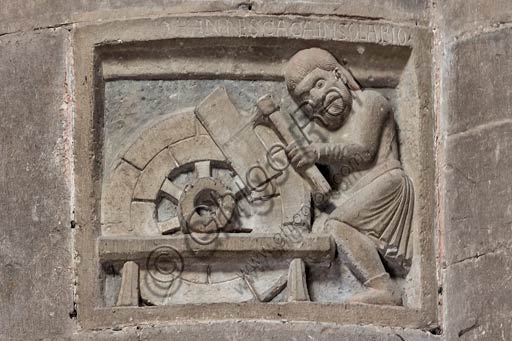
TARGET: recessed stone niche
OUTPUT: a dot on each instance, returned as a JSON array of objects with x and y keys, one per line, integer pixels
[{"x": 188, "y": 206}]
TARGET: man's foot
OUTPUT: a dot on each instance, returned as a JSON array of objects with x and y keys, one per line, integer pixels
[
  {"x": 376, "y": 296},
  {"x": 381, "y": 290}
]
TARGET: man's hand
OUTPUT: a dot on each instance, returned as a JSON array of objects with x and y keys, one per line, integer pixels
[{"x": 302, "y": 157}]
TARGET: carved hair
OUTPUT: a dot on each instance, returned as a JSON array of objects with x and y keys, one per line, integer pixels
[{"x": 305, "y": 61}]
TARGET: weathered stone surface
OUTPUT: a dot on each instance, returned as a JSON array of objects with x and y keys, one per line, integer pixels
[
  {"x": 258, "y": 330},
  {"x": 156, "y": 137},
  {"x": 26, "y": 16},
  {"x": 36, "y": 276},
  {"x": 16, "y": 16},
  {"x": 476, "y": 209},
  {"x": 143, "y": 218},
  {"x": 477, "y": 82},
  {"x": 478, "y": 206},
  {"x": 117, "y": 194},
  {"x": 413, "y": 10},
  {"x": 462, "y": 16},
  {"x": 153, "y": 176},
  {"x": 476, "y": 297},
  {"x": 203, "y": 146}
]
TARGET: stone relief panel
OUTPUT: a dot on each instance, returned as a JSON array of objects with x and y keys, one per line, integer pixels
[
  {"x": 262, "y": 169},
  {"x": 211, "y": 171}
]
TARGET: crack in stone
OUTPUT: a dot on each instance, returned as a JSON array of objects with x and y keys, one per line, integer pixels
[
  {"x": 40, "y": 28},
  {"x": 52, "y": 26},
  {"x": 153, "y": 15},
  {"x": 479, "y": 255},
  {"x": 131, "y": 164},
  {"x": 484, "y": 28},
  {"x": 468, "y": 329},
  {"x": 479, "y": 128},
  {"x": 335, "y": 15}
]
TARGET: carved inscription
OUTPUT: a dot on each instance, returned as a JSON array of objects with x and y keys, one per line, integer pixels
[{"x": 295, "y": 28}]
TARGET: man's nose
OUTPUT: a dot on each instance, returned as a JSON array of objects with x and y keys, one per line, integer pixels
[{"x": 316, "y": 96}]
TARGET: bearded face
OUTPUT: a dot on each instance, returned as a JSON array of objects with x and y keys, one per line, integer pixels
[{"x": 323, "y": 96}]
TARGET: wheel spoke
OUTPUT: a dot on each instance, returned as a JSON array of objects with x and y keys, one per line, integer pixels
[
  {"x": 203, "y": 169},
  {"x": 169, "y": 226},
  {"x": 171, "y": 189}
]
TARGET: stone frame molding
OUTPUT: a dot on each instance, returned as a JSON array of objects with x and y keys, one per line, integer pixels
[{"x": 92, "y": 45}]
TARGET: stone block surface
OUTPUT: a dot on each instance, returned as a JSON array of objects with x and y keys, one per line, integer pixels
[
  {"x": 256, "y": 331},
  {"x": 113, "y": 210},
  {"x": 460, "y": 16},
  {"x": 27, "y": 15},
  {"x": 145, "y": 146},
  {"x": 478, "y": 206},
  {"x": 477, "y": 298},
  {"x": 477, "y": 89},
  {"x": 158, "y": 168},
  {"x": 36, "y": 276}
]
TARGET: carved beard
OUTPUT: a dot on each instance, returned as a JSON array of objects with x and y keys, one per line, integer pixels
[{"x": 336, "y": 106}]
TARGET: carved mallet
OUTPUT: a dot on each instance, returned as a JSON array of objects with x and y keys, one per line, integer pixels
[{"x": 270, "y": 110}]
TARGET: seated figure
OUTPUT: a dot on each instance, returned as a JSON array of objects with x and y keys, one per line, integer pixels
[{"x": 371, "y": 220}]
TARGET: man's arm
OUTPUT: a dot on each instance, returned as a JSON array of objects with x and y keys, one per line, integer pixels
[{"x": 359, "y": 153}]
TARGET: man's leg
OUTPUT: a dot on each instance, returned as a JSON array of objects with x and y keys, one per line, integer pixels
[{"x": 359, "y": 253}]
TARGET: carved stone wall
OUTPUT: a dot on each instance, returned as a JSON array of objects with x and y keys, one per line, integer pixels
[{"x": 168, "y": 143}]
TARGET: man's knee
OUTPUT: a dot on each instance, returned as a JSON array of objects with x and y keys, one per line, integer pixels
[
  {"x": 339, "y": 230},
  {"x": 345, "y": 212},
  {"x": 346, "y": 235}
]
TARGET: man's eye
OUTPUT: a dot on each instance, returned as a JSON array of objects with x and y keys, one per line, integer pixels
[{"x": 320, "y": 84}]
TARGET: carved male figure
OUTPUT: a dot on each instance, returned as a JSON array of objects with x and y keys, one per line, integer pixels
[{"x": 371, "y": 222}]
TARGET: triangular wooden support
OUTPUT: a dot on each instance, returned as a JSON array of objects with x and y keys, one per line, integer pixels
[{"x": 297, "y": 284}]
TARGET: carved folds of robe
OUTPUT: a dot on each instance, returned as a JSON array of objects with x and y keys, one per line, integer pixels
[{"x": 379, "y": 202}]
